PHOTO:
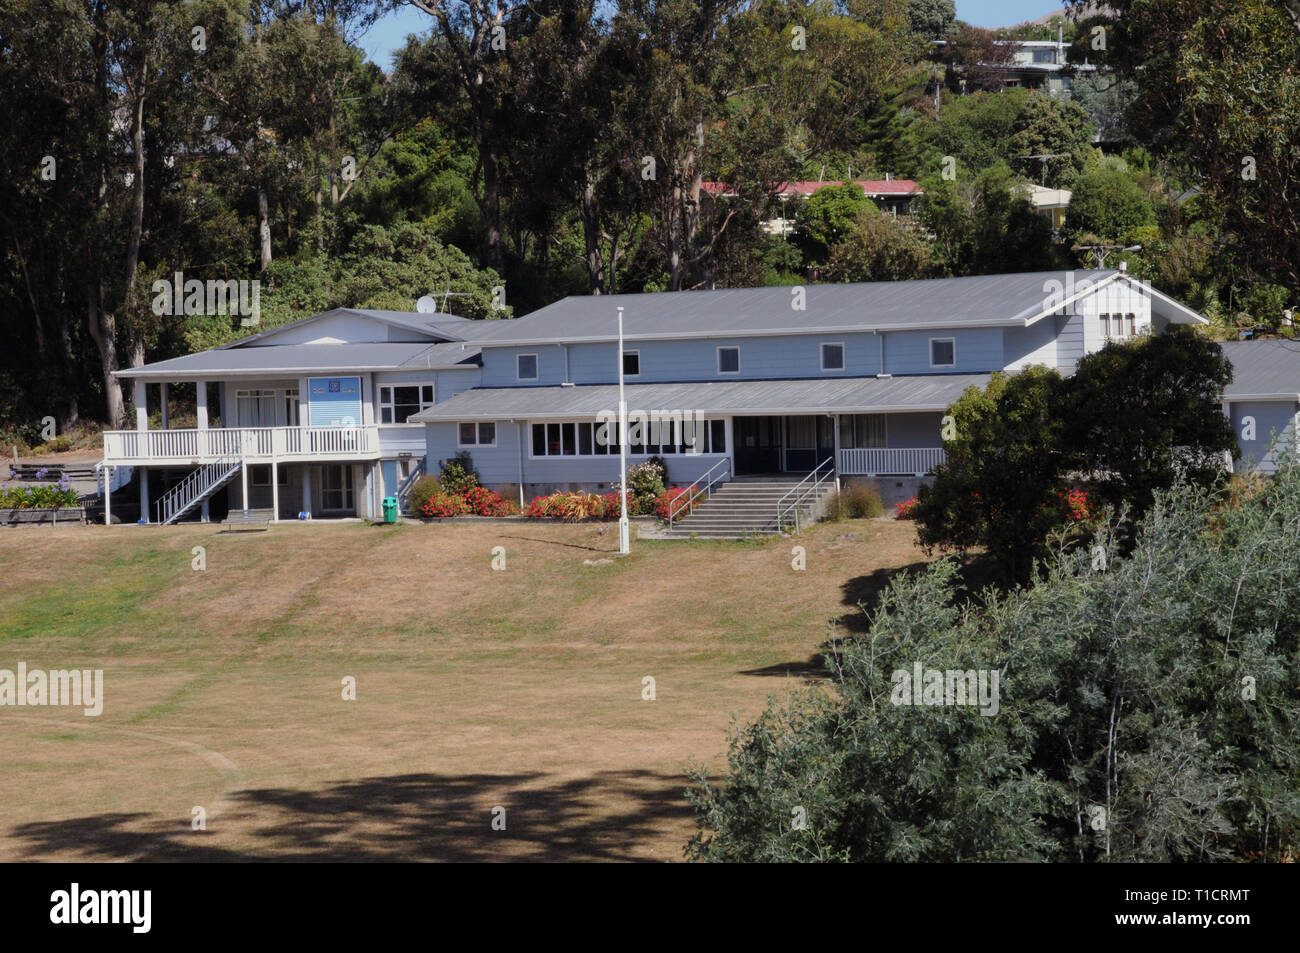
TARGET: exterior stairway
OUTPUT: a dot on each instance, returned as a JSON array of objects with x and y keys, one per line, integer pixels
[
  {"x": 196, "y": 488},
  {"x": 741, "y": 508}
]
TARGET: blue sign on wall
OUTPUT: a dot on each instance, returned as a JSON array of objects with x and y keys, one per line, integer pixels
[{"x": 335, "y": 401}]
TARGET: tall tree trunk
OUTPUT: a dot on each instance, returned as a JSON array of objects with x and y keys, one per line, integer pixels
[
  {"x": 136, "y": 229},
  {"x": 590, "y": 212},
  {"x": 493, "y": 254},
  {"x": 264, "y": 227},
  {"x": 103, "y": 330}
]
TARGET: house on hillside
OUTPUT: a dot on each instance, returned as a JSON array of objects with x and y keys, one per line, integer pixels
[
  {"x": 892, "y": 196},
  {"x": 1263, "y": 401},
  {"x": 330, "y": 414}
]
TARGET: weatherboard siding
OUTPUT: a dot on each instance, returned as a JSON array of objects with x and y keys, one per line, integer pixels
[
  {"x": 1274, "y": 420},
  {"x": 977, "y": 350}
]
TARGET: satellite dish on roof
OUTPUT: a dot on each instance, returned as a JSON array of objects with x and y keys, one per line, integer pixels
[{"x": 426, "y": 305}]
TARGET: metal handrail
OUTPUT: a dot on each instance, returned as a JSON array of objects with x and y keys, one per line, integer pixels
[
  {"x": 404, "y": 489},
  {"x": 687, "y": 500},
  {"x": 799, "y": 492},
  {"x": 177, "y": 501}
]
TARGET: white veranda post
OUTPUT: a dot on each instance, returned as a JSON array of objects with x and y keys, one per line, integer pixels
[{"x": 624, "y": 543}]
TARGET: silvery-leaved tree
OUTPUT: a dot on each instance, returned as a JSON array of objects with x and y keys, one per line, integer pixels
[{"x": 1146, "y": 710}]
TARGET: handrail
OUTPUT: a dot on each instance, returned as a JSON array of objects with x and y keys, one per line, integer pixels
[
  {"x": 687, "y": 500},
  {"x": 177, "y": 501},
  {"x": 799, "y": 492},
  {"x": 404, "y": 488}
]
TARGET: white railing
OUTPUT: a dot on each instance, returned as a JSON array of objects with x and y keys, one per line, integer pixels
[
  {"x": 895, "y": 462},
  {"x": 720, "y": 472},
  {"x": 810, "y": 486},
  {"x": 249, "y": 443},
  {"x": 194, "y": 489}
]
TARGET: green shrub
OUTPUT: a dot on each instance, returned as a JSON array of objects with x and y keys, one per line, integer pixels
[
  {"x": 423, "y": 490},
  {"x": 458, "y": 475},
  {"x": 645, "y": 481},
  {"x": 854, "y": 502}
]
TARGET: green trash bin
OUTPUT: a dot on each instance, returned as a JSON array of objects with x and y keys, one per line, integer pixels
[{"x": 390, "y": 509}]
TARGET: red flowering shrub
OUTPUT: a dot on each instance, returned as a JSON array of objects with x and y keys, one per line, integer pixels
[
  {"x": 481, "y": 501},
  {"x": 906, "y": 510},
  {"x": 476, "y": 501},
  {"x": 442, "y": 504},
  {"x": 1077, "y": 505},
  {"x": 665, "y": 499}
]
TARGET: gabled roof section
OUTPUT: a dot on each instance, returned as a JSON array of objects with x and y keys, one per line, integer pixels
[
  {"x": 1263, "y": 370},
  {"x": 293, "y": 359},
  {"x": 937, "y": 303},
  {"x": 447, "y": 327}
]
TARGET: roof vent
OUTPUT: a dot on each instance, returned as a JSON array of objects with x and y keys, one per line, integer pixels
[
  {"x": 567, "y": 384},
  {"x": 884, "y": 376}
]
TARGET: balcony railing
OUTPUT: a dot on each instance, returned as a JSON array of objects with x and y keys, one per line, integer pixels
[
  {"x": 892, "y": 462},
  {"x": 249, "y": 443}
]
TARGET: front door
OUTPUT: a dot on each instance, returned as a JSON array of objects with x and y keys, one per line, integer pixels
[
  {"x": 336, "y": 488},
  {"x": 809, "y": 441},
  {"x": 758, "y": 444}
]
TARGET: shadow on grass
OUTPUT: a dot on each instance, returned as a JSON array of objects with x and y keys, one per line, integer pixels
[
  {"x": 412, "y": 817},
  {"x": 556, "y": 542},
  {"x": 863, "y": 594}
]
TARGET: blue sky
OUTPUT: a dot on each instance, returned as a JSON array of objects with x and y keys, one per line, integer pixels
[{"x": 390, "y": 33}]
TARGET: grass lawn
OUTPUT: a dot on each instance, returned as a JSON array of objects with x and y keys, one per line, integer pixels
[{"x": 476, "y": 688}]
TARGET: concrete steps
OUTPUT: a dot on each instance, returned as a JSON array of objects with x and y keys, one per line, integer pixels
[{"x": 740, "y": 509}]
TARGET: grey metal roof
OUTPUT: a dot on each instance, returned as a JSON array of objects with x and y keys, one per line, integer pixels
[
  {"x": 448, "y": 326},
  {"x": 884, "y": 305},
  {"x": 841, "y": 395},
  {"x": 293, "y": 358},
  {"x": 1263, "y": 369}
]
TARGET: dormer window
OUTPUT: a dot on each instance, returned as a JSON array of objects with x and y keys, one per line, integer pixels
[
  {"x": 943, "y": 352},
  {"x": 832, "y": 357},
  {"x": 728, "y": 360},
  {"x": 526, "y": 367}
]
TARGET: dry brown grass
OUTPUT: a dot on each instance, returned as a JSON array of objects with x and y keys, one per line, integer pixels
[{"x": 476, "y": 688}]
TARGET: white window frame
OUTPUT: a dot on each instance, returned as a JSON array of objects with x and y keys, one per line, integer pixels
[
  {"x": 381, "y": 404},
  {"x": 728, "y": 347},
  {"x": 478, "y": 434},
  {"x": 703, "y": 441},
  {"x": 933, "y": 342},
  {"x": 637, "y": 352},
  {"x": 537, "y": 365},
  {"x": 844, "y": 357}
]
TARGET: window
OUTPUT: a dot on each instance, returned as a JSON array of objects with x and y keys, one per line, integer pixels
[
  {"x": 1044, "y": 56},
  {"x": 832, "y": 357},
  {"x": 862, "y": 431},
  {"x": 659, "y": 436},
  {"x": 526, "y": 367},
  {"x": 728, "y": 360},
  {"x": 1132, "y": 324},
  {"x": 943, "y": 352},
  {"x": 481, "y": 434},
  {"x": 260, "y": 475},
  {"x": 258, "y": 408},
  {"x": 631, "y": 363},
  {"x": 397, "y": 402}
]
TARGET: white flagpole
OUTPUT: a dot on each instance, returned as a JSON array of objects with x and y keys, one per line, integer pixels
[{"x": 624, "y": 541}]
